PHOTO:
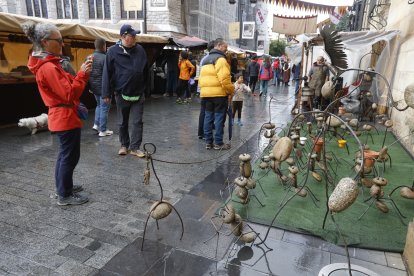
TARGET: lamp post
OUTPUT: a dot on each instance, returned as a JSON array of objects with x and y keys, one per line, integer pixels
[{"x": 241, "y": 7}]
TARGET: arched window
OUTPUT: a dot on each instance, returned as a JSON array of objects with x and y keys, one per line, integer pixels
[
  {"x": 99, "y": 9},
  {"x": 67, "y": 9}
]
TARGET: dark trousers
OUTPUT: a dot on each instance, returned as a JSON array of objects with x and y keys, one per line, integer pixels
[
  {"x": 183, "y": 88},
  {"x": 215, "y": 116},
  {"x": 252, "y": 82},
  {"x": 172, "y": 78},
  {"x": 68, "y": 157},
  {"x": 237, "y": 107},
  {"x": 201, "y": 118},
  {"x": 135, "y": 110}
]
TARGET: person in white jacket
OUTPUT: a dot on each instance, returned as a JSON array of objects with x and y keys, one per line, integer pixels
[{"x": 240, "y": 89}]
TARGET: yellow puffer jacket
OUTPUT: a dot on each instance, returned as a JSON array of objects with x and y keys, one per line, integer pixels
[{"x": 215, "y": 78}]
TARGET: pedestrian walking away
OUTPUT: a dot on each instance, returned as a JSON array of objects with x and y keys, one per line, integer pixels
[
  {"x": 216, "y": 88},
  {"x": 265, "y": 75},
  {"x": 125, "y": 74},
  {"x": 60, "y": 92},
  {"x": 253, "y": 71},
  {"x": 95, "y": 86}
]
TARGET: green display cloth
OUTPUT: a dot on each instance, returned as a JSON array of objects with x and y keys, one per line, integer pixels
[{"x": 375, "y": 230}]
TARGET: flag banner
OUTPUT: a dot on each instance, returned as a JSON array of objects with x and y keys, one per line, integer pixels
[
  {"x": 294, "y": 25},
  {"x": 335, "y": 17}
]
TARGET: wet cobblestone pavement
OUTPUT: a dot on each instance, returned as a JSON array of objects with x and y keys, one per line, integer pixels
[{"x": 104, "y": 236}]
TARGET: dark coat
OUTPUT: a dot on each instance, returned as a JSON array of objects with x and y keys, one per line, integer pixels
[
  {"x": 95, "y": 77},
  {"x": 253, "y": 69},
  {"x": 125, "y": 71}
]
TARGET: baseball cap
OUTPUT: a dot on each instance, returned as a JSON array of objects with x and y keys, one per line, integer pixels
[{"x": 127, "y": 29}]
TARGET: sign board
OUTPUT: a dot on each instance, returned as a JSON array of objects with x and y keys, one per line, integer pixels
[
  {"x": 234, "y": 30},
  {"x": 248, "y": 30},
  {"x": 158, "y": 5},
  {"x": 133, "y": 5}
]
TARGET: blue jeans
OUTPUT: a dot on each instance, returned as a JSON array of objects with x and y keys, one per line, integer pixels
[
  {"x": 68, "y": 157},
  {"x": 263, "y": 87},
  {"x": 274, "y": 77},
  {"x": 101, "y": 113},
  {"x": 135, "y": 110},
  {"x": 215, "y": 115}
]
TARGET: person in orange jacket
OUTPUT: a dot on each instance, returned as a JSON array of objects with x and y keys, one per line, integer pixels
[
  {"x": 60, "y": 92},
  {"x": 186, "y": 70}
]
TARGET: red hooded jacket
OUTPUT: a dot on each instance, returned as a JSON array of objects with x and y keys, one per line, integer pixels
[{"x": 58, "y": 88}]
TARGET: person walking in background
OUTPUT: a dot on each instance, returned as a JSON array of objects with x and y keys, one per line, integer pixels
[
  {"x": 276, "y": 71},
  {"x": 60, "y": 92},
  {"x": 125, "y": 73},
  {"x": 191, "y": 82},
  {"x": 186, "y": 70},
  {"x": 286, "y": 72},
  {"x": 233, "y": 67},
  {"x": 172, "y": 73},
  {"x": 265, "y": 74},
  {"x": 253, "y": 71},
  {"x": 210, "y": 46},
  {"x": 240, "y": 89},
  {"x": 216, "y": 88},
  {"x": 95, "y": 85}
]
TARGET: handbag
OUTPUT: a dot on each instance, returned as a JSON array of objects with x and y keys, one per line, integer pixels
[{"x": 82, "y": 111}]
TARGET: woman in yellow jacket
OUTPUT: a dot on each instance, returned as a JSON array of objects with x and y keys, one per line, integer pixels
[{"x": 186, "y": 70}]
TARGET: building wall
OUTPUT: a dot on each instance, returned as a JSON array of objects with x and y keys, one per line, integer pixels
[{"x": 401, "y": 17}]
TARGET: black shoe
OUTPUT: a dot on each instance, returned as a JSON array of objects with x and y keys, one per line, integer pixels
[
  {"x": 200, "y": 137},
  {"x": 209, "y": 146},
  {"x": 73, "y": 199}
]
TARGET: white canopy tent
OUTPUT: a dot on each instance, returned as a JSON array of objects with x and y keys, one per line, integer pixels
[{"x": 358, "y": 47}]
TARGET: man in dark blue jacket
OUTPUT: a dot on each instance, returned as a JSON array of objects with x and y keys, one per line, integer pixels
[
  {"x": 125, "y": 74},
  {"x": 95, "y": 86}
]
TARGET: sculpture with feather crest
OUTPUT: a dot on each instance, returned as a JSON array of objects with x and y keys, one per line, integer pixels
[{"x": 334, "y": 49}]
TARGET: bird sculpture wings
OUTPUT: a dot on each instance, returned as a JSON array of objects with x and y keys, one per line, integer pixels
[{"x": 334, "y": 47}]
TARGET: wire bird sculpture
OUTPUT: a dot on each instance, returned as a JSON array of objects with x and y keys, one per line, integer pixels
[{"x": 334, "y": 47}]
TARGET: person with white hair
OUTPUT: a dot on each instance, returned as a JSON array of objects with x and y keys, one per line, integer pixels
[{"x": 60, "y": 92}]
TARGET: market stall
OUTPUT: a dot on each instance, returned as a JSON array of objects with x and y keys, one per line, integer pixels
[{"x": 16, "y": 80}]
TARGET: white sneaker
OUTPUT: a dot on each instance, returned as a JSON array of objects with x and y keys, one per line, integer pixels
[
  {"x": 105, "y": 133},
  {"x": 95, "y": 127}
]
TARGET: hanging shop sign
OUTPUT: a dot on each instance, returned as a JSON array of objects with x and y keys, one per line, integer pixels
[
  {"x": 234, "y": 30},
  {"x": 133, "y": 5},
  {"x": 294, "y": 25}
]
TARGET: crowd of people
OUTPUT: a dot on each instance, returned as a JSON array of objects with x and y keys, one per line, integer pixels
[{"x": 120, "y": 72}]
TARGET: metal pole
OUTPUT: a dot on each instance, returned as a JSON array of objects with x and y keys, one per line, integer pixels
[
  {"x": 241, "y": 23},
  {"x": 144, "y": 11}
]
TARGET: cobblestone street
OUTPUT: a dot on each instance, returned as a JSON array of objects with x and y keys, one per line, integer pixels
[{"x": 103, "y": 236}]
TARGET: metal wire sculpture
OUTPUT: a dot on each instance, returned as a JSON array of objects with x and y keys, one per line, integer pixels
[{"x": 155, "y": 211}]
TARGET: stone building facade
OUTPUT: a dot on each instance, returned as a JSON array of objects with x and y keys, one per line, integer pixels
[{"x": 206, "y": 19}]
